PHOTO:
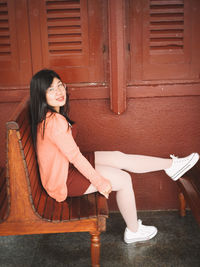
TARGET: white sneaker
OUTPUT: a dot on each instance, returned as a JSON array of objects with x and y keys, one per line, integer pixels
[
  {"x": 181, "y": 165},
  {"x": 143, "y": 233}
]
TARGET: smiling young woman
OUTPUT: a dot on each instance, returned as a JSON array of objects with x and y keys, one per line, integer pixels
[
  {"x": 56, "y": 94},
  {"x": 65, "y": 171}
]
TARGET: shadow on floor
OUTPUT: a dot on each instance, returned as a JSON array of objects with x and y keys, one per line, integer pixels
[{"x": 176, "y": 244}]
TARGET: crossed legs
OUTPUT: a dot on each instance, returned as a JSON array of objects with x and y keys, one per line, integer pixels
[{"x": 113, "y": 166}]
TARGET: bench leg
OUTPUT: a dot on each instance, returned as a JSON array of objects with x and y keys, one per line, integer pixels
[
  {"x": 95, "y": 249},
  {"x": 182, "y": 204}
]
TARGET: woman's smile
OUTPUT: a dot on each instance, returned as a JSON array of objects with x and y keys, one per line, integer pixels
[{"x": 60, "y": 99}]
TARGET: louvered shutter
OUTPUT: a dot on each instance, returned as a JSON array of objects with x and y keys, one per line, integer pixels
[
  {"x": 15, "y": 66},
  {"x": 71, "y": 36},
  {"x": 5, "y": 49},
  {"x": 64, "y": 30},
  {"x": 165, "y": 41},
  {"x": 166, "y": 29}
]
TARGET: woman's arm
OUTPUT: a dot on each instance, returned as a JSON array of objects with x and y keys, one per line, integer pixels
[{"x": 61, "y": 135}]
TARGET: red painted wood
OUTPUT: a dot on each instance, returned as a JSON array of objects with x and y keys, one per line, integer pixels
[
  {"x": 171, "y": 64},
  {"x": 117, "y": 46},
  {"x": 49, "y": 210},
  {"x": 3, "y": 195},
  {"x": 15, "y": 68},
  {"x": 57, "y": 211},
  {"x": 84, "y": 66}
]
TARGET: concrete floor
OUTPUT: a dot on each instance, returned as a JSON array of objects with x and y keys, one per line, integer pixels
[{"x": 176, "y": 244}]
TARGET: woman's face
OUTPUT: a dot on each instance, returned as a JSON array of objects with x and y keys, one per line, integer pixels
[{"x": 56, "y": 94}]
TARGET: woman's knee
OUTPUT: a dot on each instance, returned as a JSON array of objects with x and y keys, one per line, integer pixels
[
  {"x": 128, "y": 179},
  {"x": 125, "y": 180},
  {"x": 118, "y": 178}
]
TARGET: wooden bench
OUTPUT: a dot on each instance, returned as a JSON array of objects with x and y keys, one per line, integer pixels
[
  {"x": 189, "y": 186},
  {"x": 25, "y": 207}
]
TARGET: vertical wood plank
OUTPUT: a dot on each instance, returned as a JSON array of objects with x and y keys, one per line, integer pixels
[
  {"x": 84, "y": 207},
  {"x": 116, "y": 14},
  {"x": 4, "y": 210},
  {"x": 66, "y": 207},
  {"x": 33, "y": 173},
  {"x": 36, "y": 196},
  {"x": 92, "y": 208},
  {"x": 57, "y": 211},
  {"x": 15, "y": 67},
  {"x": 3, "y": 197},
  {"x": 75, "y": 208},
  {"x": 49, "y": 208},
  {"x": 42, "y": 204}
]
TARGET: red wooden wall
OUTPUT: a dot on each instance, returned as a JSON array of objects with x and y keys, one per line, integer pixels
[{"x": 133, "y": 71}]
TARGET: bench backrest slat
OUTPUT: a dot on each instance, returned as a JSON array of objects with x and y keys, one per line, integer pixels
[
  {"x": 3, "y": 200},
  {"x": 57, "y": 214},
  {"x": 42, "y": 203},
  {"x": 75, "y": 208},
  {"x": 49, "y": 208},
  {"x": 36, "y": 197},
  {"x": 84, "y": 207},
  {"x": 27, "y": 142},
  {"x": 66, "y": 207},
  {"x": 35, "y": 183},
  {"x": 3, "y": 196},
  {"x": 4, "y": 209},
  {"x": 91, "y": 204},
  {"x": 2, "y": 193},
  {"x": 2, "y": 180}
]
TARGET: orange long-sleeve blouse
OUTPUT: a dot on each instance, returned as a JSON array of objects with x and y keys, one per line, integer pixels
[{"x": 55, "y": 149}]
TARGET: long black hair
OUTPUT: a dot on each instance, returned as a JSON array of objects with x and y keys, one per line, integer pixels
[{"x": 39, "y": 84}]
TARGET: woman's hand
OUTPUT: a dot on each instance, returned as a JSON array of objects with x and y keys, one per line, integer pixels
[{"x": 104, "y": 187}]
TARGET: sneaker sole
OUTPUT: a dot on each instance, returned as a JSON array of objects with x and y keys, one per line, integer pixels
[
  {"x": 129, "y": 241},
  {"x": 186, "y": 168}
]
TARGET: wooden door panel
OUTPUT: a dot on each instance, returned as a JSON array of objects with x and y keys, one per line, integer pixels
[
  {"x": 15, "y": 59},
  {"x": 64, "y": 33},
  {"x": 162, "y": 40},
  {"x": 70, "y": 40},
  {"x": 167, "y": 40}
]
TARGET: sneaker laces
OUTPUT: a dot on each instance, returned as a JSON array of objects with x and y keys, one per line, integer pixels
[
  {"x": 173, "y": 157},
  {"x": 177, "y": 158}
]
